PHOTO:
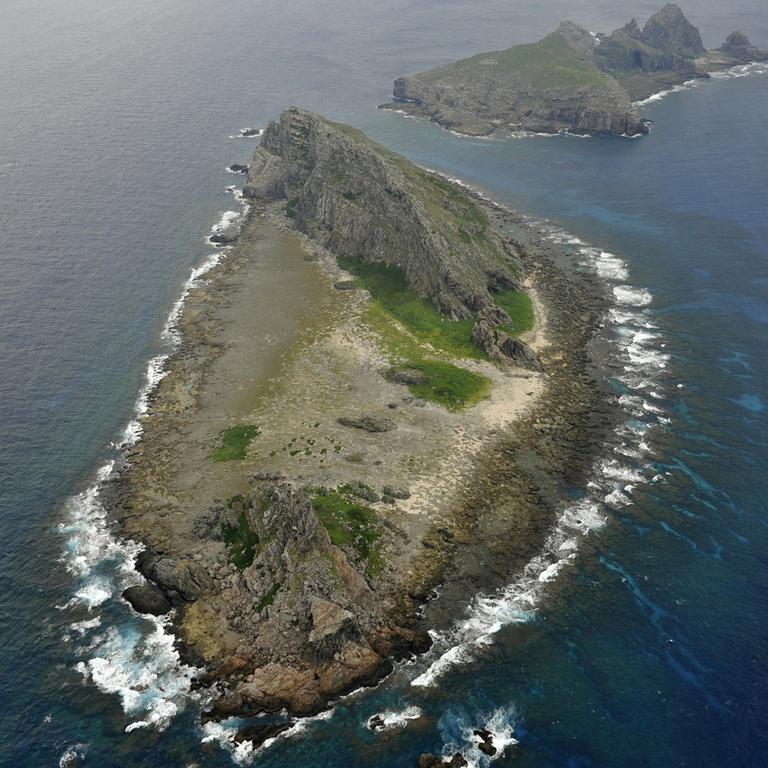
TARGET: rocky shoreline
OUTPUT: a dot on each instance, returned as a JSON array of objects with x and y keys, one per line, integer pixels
[{"x": 302, "y": 568}]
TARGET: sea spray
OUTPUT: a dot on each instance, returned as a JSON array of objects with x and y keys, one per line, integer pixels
[{"x": 458, "y": 730}]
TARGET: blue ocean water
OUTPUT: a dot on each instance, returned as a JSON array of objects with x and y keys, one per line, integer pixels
[{"x": 648, "y": 648}]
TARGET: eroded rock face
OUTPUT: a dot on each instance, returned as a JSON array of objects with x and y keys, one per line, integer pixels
[
  {"x": 499, "y": 345},
  {"x": 360, "y": 200},
  {"x": 178, "y": 578},
  {"x": 311, "y": 627}
]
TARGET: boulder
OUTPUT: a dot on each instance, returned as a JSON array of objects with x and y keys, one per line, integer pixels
[
  {"x": 368, "y": 423},
  {"x": 147, "y": 598}
]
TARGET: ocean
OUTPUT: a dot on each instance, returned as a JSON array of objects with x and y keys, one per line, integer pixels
[{"x": 639, "y": 636}]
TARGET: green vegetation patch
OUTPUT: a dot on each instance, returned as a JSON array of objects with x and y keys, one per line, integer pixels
[
  {"x": 518, "y": 305},
  {"x": 449, "y": 385},
  {"x": 389, "y": 288},
  {"x": 351, "y": 526},
  {"x": 269, "y": 598},
  {"x": 549, "y": 63},
  {"x": 234, "y": 442},
  {"x": 241, "y": 540}
]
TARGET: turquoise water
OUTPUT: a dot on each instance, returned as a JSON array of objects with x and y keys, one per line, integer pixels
[{"x": 648, "y": 648}]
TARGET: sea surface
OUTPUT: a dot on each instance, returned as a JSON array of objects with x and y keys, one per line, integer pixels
[{"x": 639, "y": 636}]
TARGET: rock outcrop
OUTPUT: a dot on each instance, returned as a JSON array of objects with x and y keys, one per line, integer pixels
[
  {"x": 359, "y": 199},
  {"x": 670, "y": 32},
  {"x": 570, "y": 80},
  {"x": 311, "y": 627},
  {"x": 738, "y": 47}
]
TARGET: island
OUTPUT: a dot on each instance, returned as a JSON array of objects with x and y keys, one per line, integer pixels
[
  {"x": 571, "y": 81},
  {"x": 385, "y": 386}
]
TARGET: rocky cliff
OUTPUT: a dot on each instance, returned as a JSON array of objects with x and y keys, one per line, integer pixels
[
  {"x": 360, "y": 200},
  {"x": 571, "y": 80}
]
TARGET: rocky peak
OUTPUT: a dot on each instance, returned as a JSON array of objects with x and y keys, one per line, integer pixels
[
  {"x": 577, "y": 38},
  {"x": 738, "y": 45},
  {"x": 669, "y": 31}
]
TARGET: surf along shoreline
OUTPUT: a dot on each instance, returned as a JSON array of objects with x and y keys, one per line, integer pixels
[{"x": 521, "y": 451}]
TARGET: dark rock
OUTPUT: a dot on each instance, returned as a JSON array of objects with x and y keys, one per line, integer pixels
[
  {"x": 147, "y": 598},
  {"x": 368, "y": 423},
  {"x": 407, "y": 376},
  {"x": 345, "y": 285},
  {"x": 222, "y": 238},
  {"x": 248, "y": 132},
  {"x": 186, "y": 578},
  {"x": 238, "y": 168},
  {"x": 362, "y": 491},
  {"x": 486, "y": 745},
  {"x": 397, "y": 493},
  {"x": 429, "y": 760},
  {"x": 376, "y": 723},
  {"x": 258, "y": 733}
]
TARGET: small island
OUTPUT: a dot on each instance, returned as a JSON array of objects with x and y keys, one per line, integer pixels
[
  {"x": 571, "y": 81},
  {"x": 384, "y": 364}
]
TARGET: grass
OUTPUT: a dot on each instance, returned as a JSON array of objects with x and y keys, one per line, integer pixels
[
  {"x": 549, "y": 63},
  {"x": 241, "y": 540},
  {"x": 444, "y": 383},
  {"x": 518, "y": 305},
  {"x": 234, "y": 442},
  {"x": 389, "y": 288},
  {"x": 350, "y": 526},
  {"x": 449, "y": 385},
  {"x": 269, "y": 598}
]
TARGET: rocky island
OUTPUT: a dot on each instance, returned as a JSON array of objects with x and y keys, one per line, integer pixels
[
  {"x": 570, "y": 81},
  {"x": 384, "y": 368}
]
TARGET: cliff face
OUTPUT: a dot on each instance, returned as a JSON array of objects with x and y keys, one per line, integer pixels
[
  {"x": 550, "y": 86},
  {"x": 360, "y": 200}
]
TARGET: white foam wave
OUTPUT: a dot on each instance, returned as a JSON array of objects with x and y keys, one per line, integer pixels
[
  {"x": 631, "y": 296},
  {"x": 461, "y": 737},
  {"x": 390, "y": 718},
  {"x": 72, "y": 755},
  {"x": 518, "y": 601},
  {"x": 606, "y": 264}
]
